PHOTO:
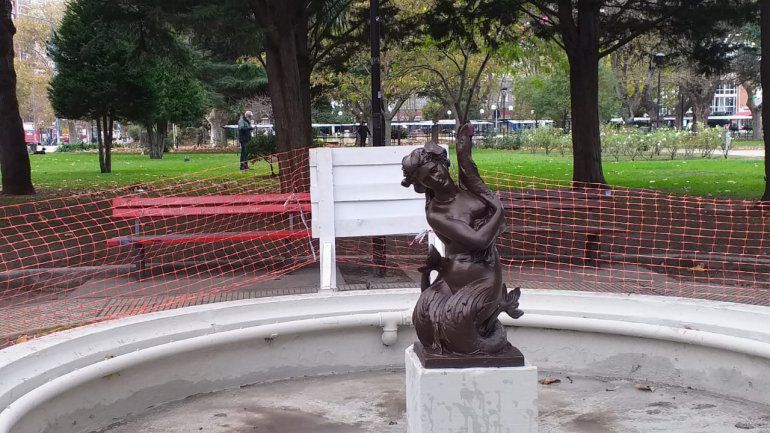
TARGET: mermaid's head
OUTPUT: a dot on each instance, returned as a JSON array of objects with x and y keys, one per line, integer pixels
[{"x": 426, "y": 168}]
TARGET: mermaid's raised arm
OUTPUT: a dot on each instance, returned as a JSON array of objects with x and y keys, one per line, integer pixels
[{"x": 468, "y": 172}]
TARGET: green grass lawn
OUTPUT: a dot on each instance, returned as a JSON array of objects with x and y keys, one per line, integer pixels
[
  {"x": 717, "y": 177},
  {"x": 80, "y": 171},
  {"x": 69, "y": 173}
]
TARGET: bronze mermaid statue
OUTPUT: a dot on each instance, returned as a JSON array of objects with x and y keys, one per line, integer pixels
[{"x": 456, "y": 316}]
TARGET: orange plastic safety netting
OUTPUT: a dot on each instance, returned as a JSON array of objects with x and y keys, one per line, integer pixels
[
  {"x": 610, "y": 240},
  {"x": 212, "y": 236},
  {"x": 219, "y": 236}
]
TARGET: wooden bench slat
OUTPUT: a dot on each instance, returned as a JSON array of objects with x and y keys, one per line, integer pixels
[
  {"x": 209, "y": 237},
  {"x": 208, "y": 210},
  {"x": 209, "y": 200}
]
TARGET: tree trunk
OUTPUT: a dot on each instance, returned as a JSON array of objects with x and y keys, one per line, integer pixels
[
  {"x": 756, "y": 112},
  {"x": 700, "y": 90},
  {"x": 681, "y": 107},
  {"x": 156, "y": 135},
  {"x": 765, "y": 73},
  {"x": 108, "y": 144},
  {"x": 217, "y": 119},
  {"x": 434, "y": 132},
  {"x": 583, "y": 56},
  {"x": 107, "y": 136},
  {"x": 701, "y": 110},
  {"x": 100, "y": 139},
  {"x": 388, "y": 129},
  {"x": 71, "y": 134},
  {"x": 90, "y": 132},
  {"x": 14, "y": 157},
  {"x": 756, "y": 121},
  {"x": 288, "y": 74}
]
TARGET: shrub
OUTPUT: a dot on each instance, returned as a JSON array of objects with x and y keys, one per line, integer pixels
[
  {"x": 709, "y": 140},
  {"x": 507, "y": 142},
  {"x": 77, "y": 147},
  {"x": 665, "y": 139},
  {"x": 134, "y": 132},
  {"x": 398, "y": 132},
  {"x": 612, "y": 143},
  {"x": 546, "y": 138},
  {"x": 263, "y": 146}
]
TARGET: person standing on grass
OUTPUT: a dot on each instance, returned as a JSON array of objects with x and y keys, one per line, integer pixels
[
  {"x": 244, "y": 136},
  {"x": 362, "y": 133}
]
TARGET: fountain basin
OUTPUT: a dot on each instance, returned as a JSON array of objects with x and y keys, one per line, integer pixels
[{"x": 88, "y": 378}]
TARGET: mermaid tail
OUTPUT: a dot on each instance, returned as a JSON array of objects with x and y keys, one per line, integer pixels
[{"x": 465, "y": 322}]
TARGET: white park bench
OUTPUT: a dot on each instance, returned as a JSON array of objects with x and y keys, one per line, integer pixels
[{"x": 357, "y": 192}]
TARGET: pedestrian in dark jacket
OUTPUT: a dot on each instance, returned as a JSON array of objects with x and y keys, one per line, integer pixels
[
  {"x": 244, "y": 136},
  {"x": 362, "y": 133}
]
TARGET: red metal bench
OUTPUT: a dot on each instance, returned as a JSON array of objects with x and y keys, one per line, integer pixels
[
  {"x": 222, "y": 205},
  {"x": 563, "y": 211}
]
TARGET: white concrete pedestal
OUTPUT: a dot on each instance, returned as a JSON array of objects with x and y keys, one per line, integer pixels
[{"x": 470, "y": 400}]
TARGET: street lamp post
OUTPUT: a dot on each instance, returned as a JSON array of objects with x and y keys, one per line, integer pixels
[
  {"x": 449, "y": 115},
  {"x": 378, "y": 136},
  {"x": 660, "y": 59},
  {"x": 505, "y": 102},
  {"x": 494, "y": 113}
]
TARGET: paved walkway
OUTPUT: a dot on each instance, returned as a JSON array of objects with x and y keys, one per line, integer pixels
[{"x": 749, "y": 153}]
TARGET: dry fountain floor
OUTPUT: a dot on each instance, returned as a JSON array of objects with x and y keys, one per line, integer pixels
[{"x": 375, "y": 402}]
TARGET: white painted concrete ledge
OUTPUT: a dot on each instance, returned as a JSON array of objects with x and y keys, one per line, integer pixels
[{"x": 100, "y": 373}]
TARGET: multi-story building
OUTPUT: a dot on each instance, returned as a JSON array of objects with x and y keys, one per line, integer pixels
[{"x": 731, "y": 99}]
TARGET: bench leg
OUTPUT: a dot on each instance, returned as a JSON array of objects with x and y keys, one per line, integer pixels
[
  {"x": 139, "y": 261},
  {"x": 379, "y": 255},
  {"x": 592, "y": 250}
]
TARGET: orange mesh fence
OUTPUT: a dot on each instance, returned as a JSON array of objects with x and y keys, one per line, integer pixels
[
  {"x": 619, "y": 240},
  {"x": 218, "y": 236},
  {"x": 225, "y": 236}
]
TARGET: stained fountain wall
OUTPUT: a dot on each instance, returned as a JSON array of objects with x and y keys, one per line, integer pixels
[{"x": 91, "y": 377}]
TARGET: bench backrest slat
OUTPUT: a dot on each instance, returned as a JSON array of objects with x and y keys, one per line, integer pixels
[
  {"x": 208, "y": 210},
  {"x": 244, "y": 199}
]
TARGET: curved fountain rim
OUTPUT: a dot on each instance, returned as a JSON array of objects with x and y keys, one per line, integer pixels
[{"x": 713, "y": 324}]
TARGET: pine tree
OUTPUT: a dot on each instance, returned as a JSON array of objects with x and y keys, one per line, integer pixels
[{"x": 97, "y": 75}]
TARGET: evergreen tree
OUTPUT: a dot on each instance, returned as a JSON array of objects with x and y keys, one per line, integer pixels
[
  {"x": 97, "y": 75},
  {"x": 289, "y": 37},
  {"x": 228, "y": 83},
  {"x": 179, "y": 97}
]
